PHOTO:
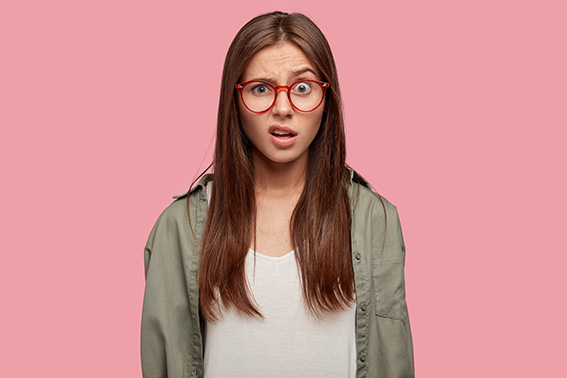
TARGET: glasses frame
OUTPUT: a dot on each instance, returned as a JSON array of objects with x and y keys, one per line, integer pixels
[{"x": 277, "y": 89}]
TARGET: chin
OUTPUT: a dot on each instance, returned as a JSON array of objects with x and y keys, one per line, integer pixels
[
  {"x": 285, "y": 157},
  {"x": 279, "y": 156},
  {"x": 283, "y": 160}
]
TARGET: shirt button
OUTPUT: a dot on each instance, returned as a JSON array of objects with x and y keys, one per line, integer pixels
[
  {"x": 363, "y": 307},
  {"x": 357, "y": 256},
  {"x": 363, "y": 357}
]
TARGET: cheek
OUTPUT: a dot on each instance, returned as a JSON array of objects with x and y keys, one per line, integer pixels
[
  {"x": 251, "y": 124},
  {"x": 315, "y": 124},
  {"x": 243, "y": 117}
]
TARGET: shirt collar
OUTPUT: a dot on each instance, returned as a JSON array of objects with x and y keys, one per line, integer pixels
[{"x": 202, "y": 184}]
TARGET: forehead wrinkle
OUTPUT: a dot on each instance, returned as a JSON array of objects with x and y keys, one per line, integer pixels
[
  {"x": 292, "y": 73},
  {"x": 279, "y": 63}
]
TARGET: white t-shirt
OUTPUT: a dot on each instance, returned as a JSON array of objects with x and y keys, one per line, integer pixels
[{"x": 289, "y": 341}]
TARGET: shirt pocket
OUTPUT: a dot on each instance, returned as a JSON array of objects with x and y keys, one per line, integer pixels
[{"x": 389, "y": 284}]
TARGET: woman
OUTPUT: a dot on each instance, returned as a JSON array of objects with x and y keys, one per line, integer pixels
[{"x": 284, "y": 263}]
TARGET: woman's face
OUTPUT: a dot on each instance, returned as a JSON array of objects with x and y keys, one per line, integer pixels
[{"x": 282, "y": 134}]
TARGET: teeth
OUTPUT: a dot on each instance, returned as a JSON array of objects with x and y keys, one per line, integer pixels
[{"x": 278, "y": 132}]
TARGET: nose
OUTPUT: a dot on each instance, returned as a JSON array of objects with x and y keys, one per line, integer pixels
[{"x": 282, "y": 107}]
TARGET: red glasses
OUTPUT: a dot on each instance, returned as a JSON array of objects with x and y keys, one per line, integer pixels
[{"x": 260, "y": 96}]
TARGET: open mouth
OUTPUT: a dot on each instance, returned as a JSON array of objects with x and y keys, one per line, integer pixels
[{"x": 282, "y": 132}]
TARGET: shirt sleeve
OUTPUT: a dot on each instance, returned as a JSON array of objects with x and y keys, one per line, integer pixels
[
  {"x": 168, "y": 345},
  {"x": 394, "y": 329}
]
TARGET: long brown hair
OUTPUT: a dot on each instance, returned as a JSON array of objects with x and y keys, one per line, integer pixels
[{"x": 320, "y": 223}]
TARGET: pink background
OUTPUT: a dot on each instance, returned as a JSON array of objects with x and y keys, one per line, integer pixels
[{"x": 456, "y": 112}]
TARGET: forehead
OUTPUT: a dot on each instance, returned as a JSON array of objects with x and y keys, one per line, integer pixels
[{"x": 278, "y": 62}]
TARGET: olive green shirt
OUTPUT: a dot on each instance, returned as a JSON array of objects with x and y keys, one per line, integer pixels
[{"x": 171, "y": 338}]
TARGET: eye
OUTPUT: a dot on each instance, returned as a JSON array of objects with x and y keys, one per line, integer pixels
[
  {"x": 303, "y": 88},
  {"x": 260, "y": 89}
]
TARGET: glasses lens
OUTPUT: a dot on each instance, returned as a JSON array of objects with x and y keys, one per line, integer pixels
[
  {"x": 259, "y": 96},
  {"x": 306, "y": 95}
]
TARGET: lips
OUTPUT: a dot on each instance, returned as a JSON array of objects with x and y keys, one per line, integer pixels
[
  {"x": 281, "y": 132},
  {"x": 282, "y": 136}
]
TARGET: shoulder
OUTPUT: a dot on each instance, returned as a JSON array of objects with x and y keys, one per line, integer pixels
[
  {"x": 199, "y": 192},
  {"x": 173, "y": 215},
  {"x": 174, "y": 218},
  {"x": 365, "y": 198},
  {"x": 375, "y": 219}
]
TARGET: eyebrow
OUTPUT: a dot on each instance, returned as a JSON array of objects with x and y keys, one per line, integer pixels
[
  {"x": 293, "y": 74},
  {"x": 301, "y": 72}
]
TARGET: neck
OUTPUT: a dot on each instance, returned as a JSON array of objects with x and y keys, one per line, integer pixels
[{"x": 279, "y": 179}]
